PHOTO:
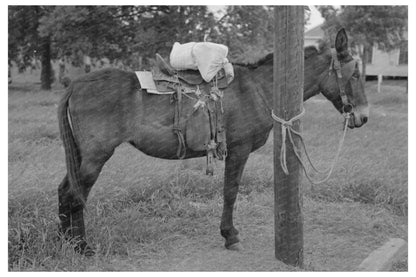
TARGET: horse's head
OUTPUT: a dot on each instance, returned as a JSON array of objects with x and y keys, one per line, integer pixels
[{"x": 343, "y": 85}]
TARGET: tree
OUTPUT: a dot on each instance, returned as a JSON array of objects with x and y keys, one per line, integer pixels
[
  {"x": 160, "y": 26},
  {"x": 25, "y": 43},
  {"x": 123, "y": 32},
  {"x": 247, "y": 31},
  {"x": 85, "y": 30},
  {"x": 133, "y": 34},
  {"x": 368, "y": 26},
  {"x": 119, "y": 33}
]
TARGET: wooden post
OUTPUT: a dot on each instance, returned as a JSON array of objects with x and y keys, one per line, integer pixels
[{"x": 287, "y": 103}]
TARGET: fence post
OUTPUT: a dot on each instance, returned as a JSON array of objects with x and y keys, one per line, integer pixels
[
  {"x": 287, "y": 103},
  {"x": 379, "y": 81}
]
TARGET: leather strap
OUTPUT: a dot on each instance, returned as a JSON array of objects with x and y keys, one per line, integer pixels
[
  {"x": 181, "y": 152},
  {"x": 341, "y": 79}
]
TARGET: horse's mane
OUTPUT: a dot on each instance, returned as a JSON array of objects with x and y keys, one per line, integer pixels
[
  {"x": 268, "y": 59},
  {"x": 310, "y": 51}
]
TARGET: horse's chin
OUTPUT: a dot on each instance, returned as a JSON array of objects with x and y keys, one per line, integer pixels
[
  {"x": 351, "y": 125},
  {"x": 351, "y": 122}
]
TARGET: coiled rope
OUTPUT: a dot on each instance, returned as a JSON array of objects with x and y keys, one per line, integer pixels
[{"x": 287, "y": 128}]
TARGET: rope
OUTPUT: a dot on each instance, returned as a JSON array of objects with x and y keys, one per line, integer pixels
[
  {"x": 287, "y": 128},
  {"x": 328, "y": 171}
]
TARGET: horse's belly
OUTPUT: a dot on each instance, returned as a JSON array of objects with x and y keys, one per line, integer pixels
[
  {"x": 162, "y": 143},
  {"x": 156, "y": 142}
]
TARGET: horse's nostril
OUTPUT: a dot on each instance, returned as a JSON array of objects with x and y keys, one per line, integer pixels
[{"x": 365, "y": 119}]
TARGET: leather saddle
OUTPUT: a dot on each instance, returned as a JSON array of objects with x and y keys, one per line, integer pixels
[
  {"x": 163, "y": 71},
  {"x": 199, "y": 126}
]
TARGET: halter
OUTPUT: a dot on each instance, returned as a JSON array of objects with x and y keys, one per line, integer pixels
[{"x": 344, "y": 74}]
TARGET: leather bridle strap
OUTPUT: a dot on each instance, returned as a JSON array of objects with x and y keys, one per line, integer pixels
[{"x": 336, "y": 65}]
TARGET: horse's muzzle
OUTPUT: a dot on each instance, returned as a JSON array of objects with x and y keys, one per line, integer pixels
[{"x": 359, "y": 117}]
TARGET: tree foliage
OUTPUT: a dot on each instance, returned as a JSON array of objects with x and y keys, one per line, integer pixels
[
  {"x": 247, "y": 31},
  {"x": 25, "y": 42},
  {"x": 133, "y": 34},
  {"x": 114, "y": 32},
  {"x": 23, "y": 36},
  {"x": 367, "y": 26},
  {"x": 85, "y": 30}
]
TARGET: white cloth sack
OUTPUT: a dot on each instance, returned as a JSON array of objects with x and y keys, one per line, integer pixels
[
  {"x": 210, "y": 58},
  {"x": 207, "y": 57},
  {"x": 181, "y": 57}
]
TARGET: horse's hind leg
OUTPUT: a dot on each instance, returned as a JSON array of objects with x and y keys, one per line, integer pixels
[
  {"x": 72, "y": 217},
  {"x": 71, "y": 211},
  {"x": 234, "y": 166}
]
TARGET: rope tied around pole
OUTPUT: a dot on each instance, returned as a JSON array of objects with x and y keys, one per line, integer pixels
[
  {"x": 286, "y": 125},
  {"x": 287, "y": 128}
]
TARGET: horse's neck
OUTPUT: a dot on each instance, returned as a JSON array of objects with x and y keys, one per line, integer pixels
[
  {"x": 315, "y": 70},
  {"x": 264, "y": 76},
  {"x": 310, "y": 91},
  {"x": 311, "y": 81}
]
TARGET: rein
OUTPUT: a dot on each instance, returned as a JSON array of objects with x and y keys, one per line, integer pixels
[{"x": 287, "y": 128}]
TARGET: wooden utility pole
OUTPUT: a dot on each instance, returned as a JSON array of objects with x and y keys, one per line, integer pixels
[{"x": 287, "y": 103}]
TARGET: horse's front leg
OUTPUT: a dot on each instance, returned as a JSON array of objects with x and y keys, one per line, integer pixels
[{"x": 234, "y": 166}]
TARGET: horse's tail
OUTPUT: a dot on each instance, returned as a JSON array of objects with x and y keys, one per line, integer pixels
[{"x": 72, "y": 154}]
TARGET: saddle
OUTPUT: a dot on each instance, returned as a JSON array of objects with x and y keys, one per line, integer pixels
[
  {"x": 163, "y": 71},
  {"x": 198, "y": 125}
]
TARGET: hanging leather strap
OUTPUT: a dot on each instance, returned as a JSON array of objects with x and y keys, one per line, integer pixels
[{"x": 181, "y": 152}]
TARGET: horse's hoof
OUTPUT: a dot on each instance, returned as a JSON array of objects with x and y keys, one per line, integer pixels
[
  {"x": 236, "y": 247},
  {"x": 88, "y": 252},
  {"x": 84, "y": 249}
]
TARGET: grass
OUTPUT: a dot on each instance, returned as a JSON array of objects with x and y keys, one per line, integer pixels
[{"x": 151, "y": 214}]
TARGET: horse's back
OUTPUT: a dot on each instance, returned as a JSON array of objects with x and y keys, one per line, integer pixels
[{"x": 107, "y": 79}]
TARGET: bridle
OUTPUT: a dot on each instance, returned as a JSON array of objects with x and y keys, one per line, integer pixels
[{"x": 344, "y": 74}]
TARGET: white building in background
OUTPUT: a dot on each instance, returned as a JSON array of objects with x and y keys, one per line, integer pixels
[
  {"x": 313, "y": 36},
  {"x": 380, "y": 63}
]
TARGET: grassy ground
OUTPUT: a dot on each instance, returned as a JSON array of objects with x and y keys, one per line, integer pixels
[{"x": 151, "y": 214}]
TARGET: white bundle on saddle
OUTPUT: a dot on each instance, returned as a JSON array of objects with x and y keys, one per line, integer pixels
[
  {"x": 207, "y": 57},
  {"x": 181, "y": 57}
]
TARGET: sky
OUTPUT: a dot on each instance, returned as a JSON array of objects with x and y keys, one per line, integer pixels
[{"x": 315, "y": 19}]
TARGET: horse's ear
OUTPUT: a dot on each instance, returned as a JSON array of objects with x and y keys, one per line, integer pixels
[{"x": 341, "y": 41}]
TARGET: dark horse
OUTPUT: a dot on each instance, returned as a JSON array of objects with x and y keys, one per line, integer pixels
[{"x": 105, "y": 108}]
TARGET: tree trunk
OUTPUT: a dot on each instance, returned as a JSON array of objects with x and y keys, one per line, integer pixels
[{"x": 46, "y": 72}]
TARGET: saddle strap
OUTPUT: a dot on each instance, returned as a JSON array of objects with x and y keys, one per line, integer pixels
[
  {"x": 212, "y": 146},
  {"x": 220, "y": 131},
  {"x": 181, "y": 152},
  {"x": 217, "y": 123}
]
